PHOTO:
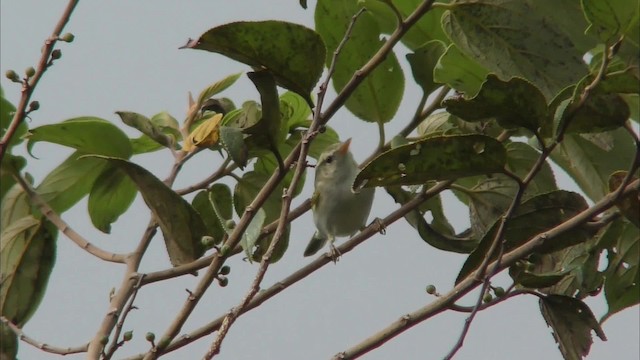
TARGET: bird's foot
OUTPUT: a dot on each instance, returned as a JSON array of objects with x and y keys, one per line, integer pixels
[
  {"x": 334, "y": 253},
  {"x": 382, "y": 229}
]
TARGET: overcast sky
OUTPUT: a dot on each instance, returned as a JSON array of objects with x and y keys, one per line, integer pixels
[{"x": 126, "y": 57}]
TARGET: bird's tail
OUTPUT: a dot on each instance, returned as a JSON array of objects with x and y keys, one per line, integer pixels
[{"x": 317, "y": 242}]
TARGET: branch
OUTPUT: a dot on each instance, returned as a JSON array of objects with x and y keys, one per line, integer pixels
[
  {"x": 310, "y": 268},
  {"x": 115, "y": 344},
  {"x": 64, "y": 228},
  {"x": 30, "y": 84},
  {"x": 40, "y": 345},
  {"x": 470, "y": 282}
]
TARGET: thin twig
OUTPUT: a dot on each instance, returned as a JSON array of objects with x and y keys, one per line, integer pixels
[
  {"x": 63, "y": 227},
  {"x": 222, "y": 171},
  {"x": 30, "y": 85},
  {"x": 41, "y": 345},
  {"x": 116, "y": 344},
  {"x": 310, "y": 268}
]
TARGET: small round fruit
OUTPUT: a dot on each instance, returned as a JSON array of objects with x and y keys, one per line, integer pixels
[
  {"x": 225, "y": 270},
  {"x": 431, "y": 289}
]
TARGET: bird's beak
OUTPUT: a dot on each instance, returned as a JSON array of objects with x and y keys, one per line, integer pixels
[{"x": 344, "y": 147}]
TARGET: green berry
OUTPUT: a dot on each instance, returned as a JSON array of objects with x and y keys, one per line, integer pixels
[
  {"x": 68, "y": 37},
  {"x": 208, "y": 241},
  {"x": 30, "y": 71},
  {"x": 487, "y": 298},
  {"x": 127, "y": 336},
  {"x": 431, "y": 289},
  {"x": 224, "y": 250},
  {"x": 12, "y": 75},
  {"x": 56, "y": 54},
  {"x": 225, "y": 270},
  {"x": 104, "y": 340},
  {"x": 34, "y": 105},
  {"x": 150, "y": 336},
  {"x": 230, "y": 224},
  {"x": 498, "y": 291},
  {"x": 223, "y": 281}
]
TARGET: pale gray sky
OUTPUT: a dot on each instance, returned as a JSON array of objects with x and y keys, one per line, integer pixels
[{"x": 126, "y": 57}]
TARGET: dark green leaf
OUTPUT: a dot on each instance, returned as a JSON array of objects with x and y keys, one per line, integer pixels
[
  {"x": 270, "y": 124},
  {"x": 88, "y": 134},
  {"x": 27, "y": 256},
  {"x": 8, "y": 343},
  {"x": 532, "y": 217},
  {"x": 629, "y": 205},
  {"x": 435, "y": 158},
  {"x": 15, "y": 205},
  {"x": 293, "y": 53},
  {"x": 70, "y": 181},
  {"x": 520, "y": 160},
  {"x": 611, "y": 18},
  {"x": 379, "y": 95},
  {"x": 221, "y": 202},
  {"x": 111, "y": 195},
  {"x": 11, "y": 164},
  {"x": 622, "y": 277},
  {"x": 488, "y": 200},
  {"x": 514, "y": 103},
  {"x": 203, "y": 206},
  {"x": 423, "y": 61},
  {"x": 439, "y": 233},
  {"x": 601, "y": 112},
  {"x": 515, "y": 38},
  {"x": 181, "y": 225},
  {"x": 572, "y": 322},
  {"x": 232, "y": 140},
  {"x": 459, "y": 71},
  {"x": 534, "y": 280}
]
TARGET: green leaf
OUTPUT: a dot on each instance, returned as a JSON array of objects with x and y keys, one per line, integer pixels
[
  {"x": 147, "y": 127},
  {"x": 532, "y": 217},
  {"x": 589, "y": 165},
  {"x": 293, "y": 53},
  {"x": 520, "y": 160},
  {"x": 8, "y": 343},
  {"x": 90, "y": 135},
  {"x": 221, "y": 202},
  {"x": 435, "y": 158},
  {"x": 488, "y": 200},
  {"x": 622, "y": 277},
  {"x": 70, "y": 181},
  {"x": 294, "y": 110},
  {"x": 111, "y": 195},
  {"x": 27, "y": 256},
  {"x": 217, "y": 87},
  {"x": 423, "y": 60},
  {"x": 181, "y": 225},
  {"x": 459, "y": 71},
  {"x": 533, "y": 280},
  {"x": 11, "y": 164},
  {"x": 572, "y": 322},
  {"x": 379, "y": 95},
  {"x": 232, "y": 140},
  {"x": 252, "y": 233},
  {"x": 6, "y": 116},
  {"x": 515, "y": 38},
  {"x": 15, "y": 205},
  {"x": 437, "y": 234},
  {"x": 514, "y": 103},
  {"x": 611, "y": 18},
  {"x": 269, "y": 126},
  {"x": 629, "y": 205},
  {"x": 600, "y": 112},
  {"x": 426, "y": 29},
  {"x": 204, "y": 207}
]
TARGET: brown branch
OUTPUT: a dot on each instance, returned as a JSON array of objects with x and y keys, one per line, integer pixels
[
  {"x": 310, "y": 268},
  {"x": 470, "y": 282},
  {"x": 115, "y": 344},
  {"x": 29, "y": 85},
  {"x": 63, "y": 227},
  {"x": 41, "y": 345}
]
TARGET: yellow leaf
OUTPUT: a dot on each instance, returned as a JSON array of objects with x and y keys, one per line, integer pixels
[{"x": 205, "y": 135}]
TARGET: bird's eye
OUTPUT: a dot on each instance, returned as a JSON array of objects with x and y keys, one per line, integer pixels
[{"x": 329, "y": 159}]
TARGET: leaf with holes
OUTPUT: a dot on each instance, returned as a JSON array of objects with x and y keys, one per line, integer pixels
[{"x": 435, "y": 158}]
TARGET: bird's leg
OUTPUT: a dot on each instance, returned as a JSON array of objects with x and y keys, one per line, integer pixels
[{"x": 334, "y": 253}]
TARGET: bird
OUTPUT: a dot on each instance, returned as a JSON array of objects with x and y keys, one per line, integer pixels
[{"x": 337, "y": 209}]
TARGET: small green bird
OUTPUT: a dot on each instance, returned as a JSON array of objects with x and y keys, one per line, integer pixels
[{"x": 337, "y": 210}]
